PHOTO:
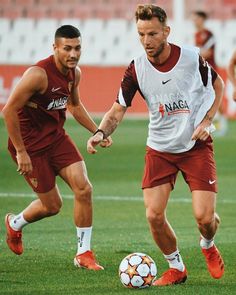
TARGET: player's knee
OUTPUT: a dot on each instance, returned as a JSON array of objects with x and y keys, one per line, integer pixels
[
  {"x": 204, "y": 219},
  {"x": 53, "y": 209},
  {"x": 84, "y": 193},
  {"x": 155, "y": 217}
]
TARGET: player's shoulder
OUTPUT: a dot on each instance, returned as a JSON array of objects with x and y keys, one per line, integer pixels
[
  {"x": 190, "y": 51},
  {"x": 78, "y": 71},
  {"x": 208, "y": 32},
  {"x": 35, "y": 72},
  {"x": 139, "y": 57},
  {"x": 34, "y": 79},
  {"x": 78, "y": 74}
]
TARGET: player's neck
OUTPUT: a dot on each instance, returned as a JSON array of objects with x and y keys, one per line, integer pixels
[
  {"x": 162, "y": 57},
  {"x": 200, "y": 28},
  {"x": 62, "y": 69}
]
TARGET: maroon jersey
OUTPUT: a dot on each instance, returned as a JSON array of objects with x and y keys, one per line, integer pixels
[
  {"x": 43, "y": 117},
  {"x": 205, "y": 39}
]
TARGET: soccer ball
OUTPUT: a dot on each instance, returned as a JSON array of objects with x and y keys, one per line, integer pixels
[{"x": 137, "y": 270}]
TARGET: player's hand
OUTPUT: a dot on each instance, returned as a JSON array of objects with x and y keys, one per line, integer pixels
[
  {"x": 94, "y": 141},
  {"x": 24, "y": 163},
  {"x": 105, "y": 143},
  {"x": 201, "y": 132}
]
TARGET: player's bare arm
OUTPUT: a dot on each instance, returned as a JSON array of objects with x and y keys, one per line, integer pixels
[
  {"x": 108, "y": 125},
  {"x": 202, "y": 131},
  {"x": 231, "y": 70},
  {"x": 34, "y": 80},
  {"x": 77, "y": 108},
  {"x": 80, "y": 113}
]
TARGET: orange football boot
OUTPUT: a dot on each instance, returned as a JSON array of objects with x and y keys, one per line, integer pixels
[
  {"x": 87, "y": 260},
  {"x": 171, "y": 277},
  {"x": 214, "y": 261},
  {"x": 14, "y": 238}
]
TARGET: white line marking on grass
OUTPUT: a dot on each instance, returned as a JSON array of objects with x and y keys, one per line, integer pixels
[{"x": 111, "y": 198}]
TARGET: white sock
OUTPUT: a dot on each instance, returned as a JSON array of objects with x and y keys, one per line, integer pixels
[
  {"x": 18, "y": 222},
  {"x": 84, "y": 239},
  {"x": 175, "y": 260},
  {"x": 206, "y": 244}
]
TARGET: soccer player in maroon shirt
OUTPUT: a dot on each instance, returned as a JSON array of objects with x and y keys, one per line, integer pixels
[
  {"x": 182, "y": 93},
  {"x": 204, "y": 39},
  {"x": 34, "y": 115}
]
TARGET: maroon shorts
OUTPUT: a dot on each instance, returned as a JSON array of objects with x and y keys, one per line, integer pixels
[
  {"x": 197, "y": 166},
  {"x": 47, "y": 164}
]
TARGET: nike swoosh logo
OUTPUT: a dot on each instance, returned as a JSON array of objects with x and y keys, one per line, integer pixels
[
  {"x": 164, "y": 82},
  {"x": 211, "y": 181},
  {"x": 55, "y": 89}
]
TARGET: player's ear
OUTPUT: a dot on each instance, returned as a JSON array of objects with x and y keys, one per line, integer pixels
[{"x": 166, "y": 31}]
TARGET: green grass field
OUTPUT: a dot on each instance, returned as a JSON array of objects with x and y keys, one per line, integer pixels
[{"x": 120, "y": 227}]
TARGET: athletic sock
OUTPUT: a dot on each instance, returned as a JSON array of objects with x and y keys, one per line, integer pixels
[
  {"x": 84, "y": 239},
  {"x": 18, "y": 222},
  {"x": 175, "y": 260},
  {"x": 205, "y": 243}
]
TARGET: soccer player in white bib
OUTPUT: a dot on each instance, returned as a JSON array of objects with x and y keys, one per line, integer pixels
[{"x": 182, "y": 93}]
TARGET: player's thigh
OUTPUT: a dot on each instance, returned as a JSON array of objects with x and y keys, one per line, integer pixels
[
  {"x": 198, "y": 167},
  {"x": 159, "y": 169},
  {"x": 156, "y": 198},
  {"x": 75, "y": 175},
  {"x": 43, "y": 177},
  {"x": 204, "y": 203}
]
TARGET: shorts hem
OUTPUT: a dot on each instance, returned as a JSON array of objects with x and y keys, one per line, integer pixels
[
  {"x": 68, "y": 164},
  {"x": 158, "y": 183},
  {"x": 214, "y": 190}
]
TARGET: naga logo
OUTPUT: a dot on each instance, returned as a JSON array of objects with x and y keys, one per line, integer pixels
[
  {"x": 181, "y": 106},
  {"x": 162, "y": 110},
  {"x": 58, "y": 104}
]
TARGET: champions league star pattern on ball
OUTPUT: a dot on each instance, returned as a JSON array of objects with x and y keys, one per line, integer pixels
[{"x": 137, "y": 270}]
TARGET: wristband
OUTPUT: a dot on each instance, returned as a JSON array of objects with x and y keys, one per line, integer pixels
[{"x": 100, "y": 130}]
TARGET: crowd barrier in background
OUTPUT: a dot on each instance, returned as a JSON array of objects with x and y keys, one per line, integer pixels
[{"x": 99, "y": 87}]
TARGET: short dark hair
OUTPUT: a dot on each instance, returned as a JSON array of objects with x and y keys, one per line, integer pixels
[
  {"x": 67, "y": 31},
  {"x": 148, "y": 11},
  {"x": 201, "y": 13}
]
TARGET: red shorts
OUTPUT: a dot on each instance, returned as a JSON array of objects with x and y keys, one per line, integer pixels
[
  {"x": 47, "y": 164},
  {"x": 197, "y": 166}
]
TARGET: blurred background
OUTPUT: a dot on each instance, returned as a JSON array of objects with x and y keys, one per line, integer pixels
[{"x": 109, "y": 40}]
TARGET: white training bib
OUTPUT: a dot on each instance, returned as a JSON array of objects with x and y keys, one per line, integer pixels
[{"x": 177, "y": 101}]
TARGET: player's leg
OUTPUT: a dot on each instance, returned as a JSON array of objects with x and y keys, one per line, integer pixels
[
  {"x": 158, "y": 181},
  {"x": 76, "y": 177},
  {"x": 156, "y": 200},
  {"x": 46, "y": 205},
  {"x": 202, "y": 181},
  {"x": 42, "y": 181},
  {"x": 207, "y": 219}
]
